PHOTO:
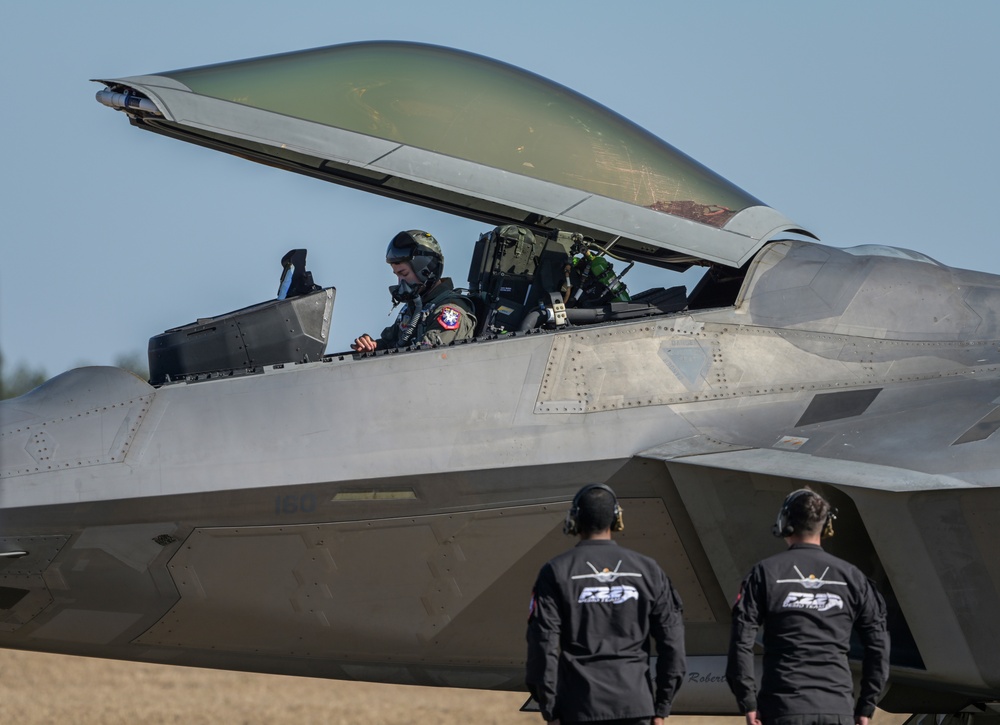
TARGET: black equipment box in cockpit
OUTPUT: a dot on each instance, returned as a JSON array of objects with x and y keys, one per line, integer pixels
[{"x": 291, "y": 329}]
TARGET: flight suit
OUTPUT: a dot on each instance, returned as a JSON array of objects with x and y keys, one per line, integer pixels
[
  {"x": 444, "y": 316},
  {"x": 808, "y": 602},
  {"x": 594, "y": 610}
]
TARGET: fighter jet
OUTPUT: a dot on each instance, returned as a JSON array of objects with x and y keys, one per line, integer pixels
[{"x": 261, "y": 505}]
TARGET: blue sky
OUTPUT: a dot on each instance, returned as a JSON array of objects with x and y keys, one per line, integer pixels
[{"x": 868, "y": 123}]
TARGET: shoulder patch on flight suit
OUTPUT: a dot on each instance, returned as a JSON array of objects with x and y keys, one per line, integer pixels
[{"x": 449, "y": 317}]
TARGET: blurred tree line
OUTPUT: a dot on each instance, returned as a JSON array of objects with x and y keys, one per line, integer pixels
[{"x": 23, "y": 378}]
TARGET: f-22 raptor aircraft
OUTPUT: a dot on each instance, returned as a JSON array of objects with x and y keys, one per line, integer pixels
[{"x": 259, "y": 505}]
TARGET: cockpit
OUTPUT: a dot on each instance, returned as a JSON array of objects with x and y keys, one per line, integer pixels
[{"x": 520, "y": 281}]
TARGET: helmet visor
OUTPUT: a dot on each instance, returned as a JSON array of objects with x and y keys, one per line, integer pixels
[{"x": 401, "y": 249}]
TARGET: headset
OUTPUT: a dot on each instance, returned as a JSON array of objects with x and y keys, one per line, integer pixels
[
  {"x": 571, "y": 526},
  {"x": 783, "y": 528}
]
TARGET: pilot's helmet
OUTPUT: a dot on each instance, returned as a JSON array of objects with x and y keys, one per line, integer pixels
[{"x": 421, "y": 250}]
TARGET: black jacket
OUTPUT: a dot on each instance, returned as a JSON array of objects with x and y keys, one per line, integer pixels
[
  {"x": 808, "y": 602},
  {"x": 593, "y": 612}
]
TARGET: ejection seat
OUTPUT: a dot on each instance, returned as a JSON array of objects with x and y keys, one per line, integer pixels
[{"x": 520, "y": 281}]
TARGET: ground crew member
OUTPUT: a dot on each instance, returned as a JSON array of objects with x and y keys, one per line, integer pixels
[
  {"x": 594, "y": 610},
  {"x": 808, "y": 602},
  {"x": 433, "y": 312}
]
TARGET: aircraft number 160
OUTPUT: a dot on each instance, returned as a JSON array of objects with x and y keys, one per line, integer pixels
[{"x": 294, "y": 504}]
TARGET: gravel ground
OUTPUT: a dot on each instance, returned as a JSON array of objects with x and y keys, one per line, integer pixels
[{"x": 40, "y": 688}]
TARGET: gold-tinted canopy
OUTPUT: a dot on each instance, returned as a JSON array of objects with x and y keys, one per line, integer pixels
[{"x": 464, "y": 133}]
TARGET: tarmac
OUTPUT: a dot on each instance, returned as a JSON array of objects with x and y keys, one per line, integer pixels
[{"x": 38, "y": 688}]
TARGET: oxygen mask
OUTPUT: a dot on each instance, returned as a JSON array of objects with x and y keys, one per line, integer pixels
[{"x": 405, "y": 291}]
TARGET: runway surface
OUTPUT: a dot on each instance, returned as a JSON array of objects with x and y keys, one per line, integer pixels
[{"x": 37, "y": 689}]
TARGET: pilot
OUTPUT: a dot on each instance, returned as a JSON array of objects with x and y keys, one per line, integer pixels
[
  {"x": 594, "y": 610},
  {"x": 433, "y": 313},
  {"x": 808, "y": 602}
]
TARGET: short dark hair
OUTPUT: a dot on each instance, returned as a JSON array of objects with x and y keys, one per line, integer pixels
[
  {"x": 808, "y": 514},
  {"x": 596, "y": 511}
]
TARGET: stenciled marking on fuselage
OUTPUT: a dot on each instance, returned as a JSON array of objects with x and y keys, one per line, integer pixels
[{"x": 295, "y": 504}]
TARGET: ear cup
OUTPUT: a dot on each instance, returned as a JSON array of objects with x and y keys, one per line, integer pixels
[
  {"x": 619, "y": 522},
  {"x": 570, "y": 526},
  {"x": 828, "y": 524}
]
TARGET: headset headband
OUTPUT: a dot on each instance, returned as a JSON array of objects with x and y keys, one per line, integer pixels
[
  {"x": 571, "y": 526},
  {"x": 782, "y": 526}
]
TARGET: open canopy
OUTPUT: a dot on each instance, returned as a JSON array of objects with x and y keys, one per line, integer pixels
[{"x": 462, "y": 133}]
